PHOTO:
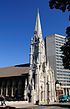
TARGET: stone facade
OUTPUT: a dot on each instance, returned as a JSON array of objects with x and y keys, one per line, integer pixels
[{"x": 41, "y": 87}]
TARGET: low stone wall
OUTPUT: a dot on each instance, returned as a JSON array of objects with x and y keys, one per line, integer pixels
[
  {"x": 7, "y": 107},
  {"x": 15, "y": 102}
]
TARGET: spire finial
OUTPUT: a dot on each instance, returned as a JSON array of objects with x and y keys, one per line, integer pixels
[
  {"x": 38, "y": 29},
  {"x": 37, "y": 10}
]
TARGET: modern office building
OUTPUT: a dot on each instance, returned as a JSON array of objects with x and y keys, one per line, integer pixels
[{"x": 53, "y": 55}]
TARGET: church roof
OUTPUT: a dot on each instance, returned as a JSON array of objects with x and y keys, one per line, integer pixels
[{"x": 16, "y": 70}]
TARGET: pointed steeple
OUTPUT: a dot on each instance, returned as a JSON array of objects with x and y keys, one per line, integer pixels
[{"x": 38, "y": 30}]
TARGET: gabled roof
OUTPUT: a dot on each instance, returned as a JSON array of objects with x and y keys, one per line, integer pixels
[{"x": 16, "y": 70}]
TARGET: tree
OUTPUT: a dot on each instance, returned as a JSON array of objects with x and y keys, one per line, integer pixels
[
  {"x": 63, "y": 5},
  {"x": 57, "y": 82},
  {"x": 66, "y": 50},
  {"x": 60, "y": 4}
]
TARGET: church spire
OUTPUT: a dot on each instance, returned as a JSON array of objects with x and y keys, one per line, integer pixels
[{"x": 38, "y": 30}]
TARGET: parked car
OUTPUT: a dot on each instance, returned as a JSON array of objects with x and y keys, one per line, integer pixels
[{"x": 63, "y": 98}]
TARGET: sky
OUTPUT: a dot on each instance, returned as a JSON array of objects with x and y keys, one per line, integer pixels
[{"x": 17, "y": 22}]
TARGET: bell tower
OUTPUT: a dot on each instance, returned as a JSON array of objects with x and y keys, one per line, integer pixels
[{"x": 37, "y": 64}]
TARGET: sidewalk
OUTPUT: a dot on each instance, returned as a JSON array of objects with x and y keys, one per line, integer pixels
[
  {"x": 21, "y": 105},
  {"x": 58, "y": 104},
  {"x": 18, "y": 104}
]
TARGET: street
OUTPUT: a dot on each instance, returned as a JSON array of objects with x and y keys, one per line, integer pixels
[{"x": 49, "y": 107}]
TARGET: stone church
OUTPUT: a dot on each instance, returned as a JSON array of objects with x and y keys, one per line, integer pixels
[{"x": 33, "y": 82}]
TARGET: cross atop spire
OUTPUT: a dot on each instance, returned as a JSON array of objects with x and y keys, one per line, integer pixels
[{"x": 38, "y": 30}]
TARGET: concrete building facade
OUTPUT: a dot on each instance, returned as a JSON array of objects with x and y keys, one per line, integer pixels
[{"x": 53, "y": 55}]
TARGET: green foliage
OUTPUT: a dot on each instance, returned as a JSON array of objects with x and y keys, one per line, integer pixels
[
  {"x": 57, "y": 82},
  {"x": 63, "y": 5},
  {"x": 66, "y": 50},
  {"x": 60, "y": 4},
  {"x": 68, "y": 32}
]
